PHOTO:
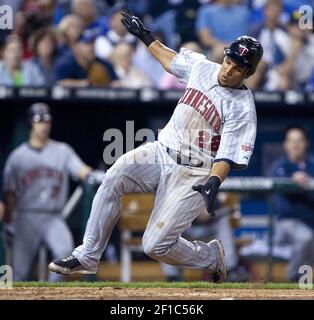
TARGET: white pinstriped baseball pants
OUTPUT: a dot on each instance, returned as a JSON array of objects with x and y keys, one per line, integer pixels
[{"x": 176, "y": 206}]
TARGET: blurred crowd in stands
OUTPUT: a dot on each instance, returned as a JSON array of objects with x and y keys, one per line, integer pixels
[{"x": 82, "y": 43}]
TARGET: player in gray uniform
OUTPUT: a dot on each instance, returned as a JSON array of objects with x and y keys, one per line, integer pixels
[
  {"x": 36, "y": 181},
  {"x": 211, "y": 131}
]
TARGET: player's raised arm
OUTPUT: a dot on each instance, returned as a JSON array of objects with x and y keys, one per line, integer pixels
[{"x": 136, "y": 27}]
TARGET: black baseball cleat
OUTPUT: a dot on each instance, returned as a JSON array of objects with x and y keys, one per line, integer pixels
[
  {"x": 219, "y": 275},
  {"x": 69, "y": 265}
]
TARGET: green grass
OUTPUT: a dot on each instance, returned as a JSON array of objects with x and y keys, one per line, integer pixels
[{"x": 200, "y": 284}]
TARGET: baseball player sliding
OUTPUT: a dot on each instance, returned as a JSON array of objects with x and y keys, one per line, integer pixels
[{"x": 211, "y": 131}]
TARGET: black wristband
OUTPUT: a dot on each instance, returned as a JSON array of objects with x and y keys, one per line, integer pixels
[
  {"x": 215, "y": 182},
  {"x": 148, "y": 39}
]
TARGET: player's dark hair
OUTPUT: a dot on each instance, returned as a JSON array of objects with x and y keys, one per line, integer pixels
[{"x": 296, "y": 127}]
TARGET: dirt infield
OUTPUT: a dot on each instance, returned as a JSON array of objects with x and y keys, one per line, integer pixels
[{"x": 110, "y": 293}]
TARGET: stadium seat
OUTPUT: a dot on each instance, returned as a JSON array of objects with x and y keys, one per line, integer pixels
[{"x": 136, "y": 209}]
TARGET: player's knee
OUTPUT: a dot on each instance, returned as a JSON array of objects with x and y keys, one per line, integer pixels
[
  {"x": 148, "y": 249},
  {"x": 118, "y": 180},
  {"x": 155, "y": 249}
]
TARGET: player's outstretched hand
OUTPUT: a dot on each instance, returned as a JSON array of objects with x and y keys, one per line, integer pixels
[
  {"x": 136, "y": 27},
  {"x": 209, "y": 192}
]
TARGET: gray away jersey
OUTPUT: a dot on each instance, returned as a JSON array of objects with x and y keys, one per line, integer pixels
[
  {"x": 210, "y": 122},
  {"x": 40, "y": 178}
]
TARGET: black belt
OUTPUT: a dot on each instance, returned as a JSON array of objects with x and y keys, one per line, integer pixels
[{"x": 175, "y": 155}]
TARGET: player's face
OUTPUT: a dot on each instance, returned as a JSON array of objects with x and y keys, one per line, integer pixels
[
  {"x": 231, "y": 74},
  {"x": 295, "y": 144},
  {"x": 41, "y": 130}
]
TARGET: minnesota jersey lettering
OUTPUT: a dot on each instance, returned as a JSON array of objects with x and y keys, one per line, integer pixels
[
  {"x": 204, "y": 106},
  {"x": 40, "y": 177},
  {"x": 211, "y": 122}
]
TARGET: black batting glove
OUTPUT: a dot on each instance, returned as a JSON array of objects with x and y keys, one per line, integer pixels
[
  {"x": 209, "y": 192},
  {"x": 136, "y": 27}
]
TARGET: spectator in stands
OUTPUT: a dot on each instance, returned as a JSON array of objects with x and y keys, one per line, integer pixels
[
  {"x": 14, "y": 71},
  {"x": 86, "y": 10},
  {"x": 295, "y": 225},
  {"x": 116, "y": 34},
  {"x": 289, "y": 6},
  {"x": 169, "y": 81},
  {"x": 145, "y": 62},
  {"x": 129, "y": 76},
  {"x": 162, "y": 15},
  {"x": 219, "y": 24},
  {"x": 80, "y": 68},
  {"x": 286, "y": 50},
  {"x": 45, "y": 54},
  {"x": 63, "y": 8},
  {"x": 32, "y": 16},
  {"x": 302, "y": 50},
  {"x": 185, "y": 19},
  {"x": 271, "y": 73},
  {"x": 71, "y": 27}
]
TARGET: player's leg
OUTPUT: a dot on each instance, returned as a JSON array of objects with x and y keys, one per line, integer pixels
[
  {"x": 203, "y": 232},
  {"x": 301, "y": 239},
  {"x": 220, "y": 229},
  {"x": 176, "y": 206},
  {"x": 136, "y": 171},
  {"x": 311, "y": 250},
  {"x": 59, "y": 240},
  {"x": 25, "y": 245}
]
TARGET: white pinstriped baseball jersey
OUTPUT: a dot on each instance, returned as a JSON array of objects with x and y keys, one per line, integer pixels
[
  {"x": 210, "y": 122},
  {"x": 39, "y": 177}
]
